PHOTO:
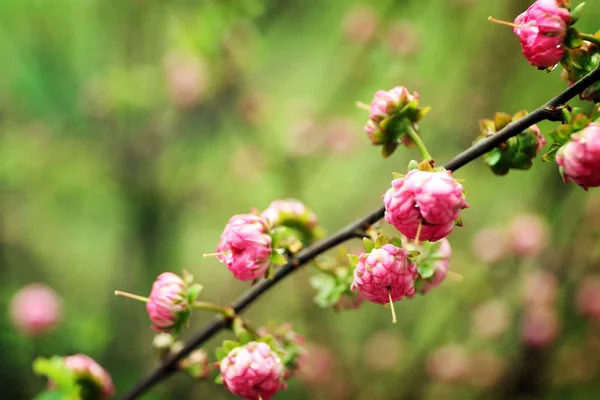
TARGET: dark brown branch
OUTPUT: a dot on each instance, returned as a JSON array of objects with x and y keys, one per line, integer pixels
[{"x": 549, "y": 111}]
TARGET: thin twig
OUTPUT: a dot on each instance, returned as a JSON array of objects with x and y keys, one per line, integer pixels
[{"x": 549, "y": 111}]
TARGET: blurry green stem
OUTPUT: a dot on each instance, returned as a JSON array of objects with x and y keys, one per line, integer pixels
[
  {"x": 420, "y": 145},
  {"x": 204, "y": 305},
  {"x": 590, "y": 38}
]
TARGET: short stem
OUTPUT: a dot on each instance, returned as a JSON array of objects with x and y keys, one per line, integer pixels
[
  {"x": 204, "y": 305},
  {"x": 456, "y": 277},
  {"x": 419, "y": 232},
  {"x": 220, "y": 253},
  {"x": 499, "y": 21},
  {"x": 392, "y": 306},
  {"x": 131, "y": 296},
  {"x": 420, "y": 145},
  {"x": 590, "y": 38},
  {"x": 362, "y": 105}
]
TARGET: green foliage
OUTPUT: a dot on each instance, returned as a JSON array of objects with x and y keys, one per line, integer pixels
[{"x": 62, "y": 377}]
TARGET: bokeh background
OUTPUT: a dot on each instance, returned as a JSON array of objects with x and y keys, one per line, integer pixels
[{"x": 130, "y": 131}]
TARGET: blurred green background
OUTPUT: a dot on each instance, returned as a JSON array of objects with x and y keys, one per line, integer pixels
[{"x": 130, "y": 131}]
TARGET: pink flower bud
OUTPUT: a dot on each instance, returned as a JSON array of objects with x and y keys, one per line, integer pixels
[
  {"x": 91, "y": 376},
  {"x": 489, "y": 245},
  {"x": 539, "y": 289},
  {"x": 491, "y": 319},
  {"x": 588, "y": 297},
  {"x": 430, "y": 199},
  {"x": 449, "y": 363},
  {"x": 540, "y": 326},
  {"x": 36, "y": 309},
  {"x": 383, "y": 350},
  {"x": 389, "y": 102},
  {"x": 579, "y": 159},
  {"x": 245, "y": 246},
  {"x": 167, "y": 302},
  {"x": 360, "y": 23},
  {"x": 253, "y": 371},
  {"x": 197, "y": 364},
  {"x": 528, "y": 235},
  {"x": 290, "y": 211},
  {"x": 383, "y": 273},
  {"x": 186, "y": 80},
  {"x": 542, "y": 29}
]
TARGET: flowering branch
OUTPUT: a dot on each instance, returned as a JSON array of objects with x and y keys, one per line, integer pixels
[{"x": 552, "y": 111}]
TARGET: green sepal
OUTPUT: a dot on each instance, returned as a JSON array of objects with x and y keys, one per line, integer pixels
[
  {"x": 388, "y": 149},
  {"x": 396, "y": 241},
  {"x": 419, "y": 285},
  {"x": 414, "y": 253},
  {"x": 278, "y": 258},
  {"x": 412, "y": 164},
  {"x": 458, "y": 222},
  {"x": 572, "y": 39},
  {"x": 381, "y": 241},
  {"x": 368, "y": 244},
  {"x": 193, "y": 292},
  {"x": 397, "y": 175},
  {"x": 501, "y": 120},
  {"x": 426, "y": 270},
  {"x": 229, "y": 345},
  {"x": 550, "y": 156},
  {"x": 493, "y": 157},
  {"x": 246, "y": 337},
  {"x": 269, "y": 340},
  {"x": 353, "y": 258},
  {"x": 576, "y": 13}
]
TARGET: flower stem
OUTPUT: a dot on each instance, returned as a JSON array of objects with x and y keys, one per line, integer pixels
[
  {"x": 131, "y": 296},
  {"x": 590, "y": 38},
  {"x": 420, "y": 145},
  {"x": 392, "y": 306},
  {"x": 204, "y": 305}
]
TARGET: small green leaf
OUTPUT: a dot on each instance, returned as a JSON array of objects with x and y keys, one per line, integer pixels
[
  {"x": 412, "y": 164},
  {"x": 493, "y": 157},
  {"x": 219, "y": 379},
  {"x": 397, "y": 175},
  {"x": 388, "y": 149},
  {"x": 245, "y": 337},
  {"x": 229, "y": 345},
  {"x": 458, "y": 222},
  {"x": 381, "y": 241},
  {"x": 550, "y": 156},
  {"x": 396, "y": 241},
  {"x": 369, "y": 244},
  {"x": 220, "y": 353},
  {"x": 194, "y": 291},
  {"x": 353, "y": 258},
  {"x": 414, "y": 253},
  {"x": 53, "y": 395},
  {"x": 278, "y": 259},
  {"x": 426, "y": 270},
  {"x": 576, "y": 13}
]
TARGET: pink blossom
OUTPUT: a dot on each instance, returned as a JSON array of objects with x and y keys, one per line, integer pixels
[
  {"x": 588, "y": 297},
  {"x": 528, "y": 235},
  {"x": 540, "y": 326},
  {"x": 489, "y": 245},
  {"x": 281, "y": 212},
  {"x": 430, "y": 199},
  {"x": 35, "y": 309},
  {"x": 387, "y": 102},
  {"x": 539, "y": 289},
  {"x": 167, "y": 301},
  {"x": 359, "y": 23},
  {"x": 245, "y": 246},
  {"x": 89, "y": 373},
  {"x": 541, "y": 30},
  {"x": 385, "y": 272},
  {"x": 253, "y": 371},
  {"x": 580, "y": 158},
  {"x": 449, "y": 363},
  {"x": 186, "y": 80},
  {"x": 491, "y": 319}
]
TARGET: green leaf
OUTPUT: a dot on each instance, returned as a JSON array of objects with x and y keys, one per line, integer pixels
[
  {"x": 220, "y": 353},
  {"x": 388, "y": 149},
  {"x": 397, "y": 175},
  {"x": 550, "y": 156},
  {"x": 353, "y": 258},
  {"x": 53, "y": 395},
  {"x": 493, "y": 157},
  {"x": 56, "y": 371},
  {"x": 412, "y": 164},
  {"x": 414, "y": 253},
  {"x": 278, "y": 259},
  {"x": 194, "y": 291},
  {"x": 219, "y": 379},
  {"x": 369, "y": 244},
  {"x": 501, "y": 120},
  {"x": 396, "y": 241},
  {"x": 576, "y": 13},
  {"x": 426, "y": 270},
  {"x": 229, "y": 345},
  {"x": 381, "y": 241},
  {"x": 246, "y": 337}
]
